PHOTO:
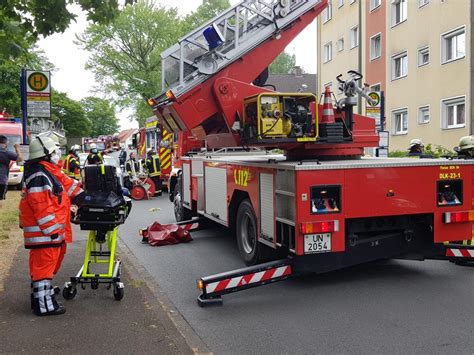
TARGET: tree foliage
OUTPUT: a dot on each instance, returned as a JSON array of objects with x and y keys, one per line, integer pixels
[
  {"x": 125, "y": 54},
  {"x": 22, "y": 22},
  {"x": 10, "y": 78},
  {"x": 101, "y": 115},
  {"x": 282, "y": 64},
  {"x": 71, "y": 114}
]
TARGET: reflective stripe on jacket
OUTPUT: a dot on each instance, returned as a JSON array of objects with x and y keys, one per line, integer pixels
[
  {"x": 153, "y": 165},
  {"x": 45, "y": 205}
]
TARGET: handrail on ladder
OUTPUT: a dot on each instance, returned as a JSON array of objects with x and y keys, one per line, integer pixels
[{"x": 244, "y": 26}]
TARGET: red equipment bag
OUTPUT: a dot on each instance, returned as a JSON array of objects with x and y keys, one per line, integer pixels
[{"x": 165, "y": 234}]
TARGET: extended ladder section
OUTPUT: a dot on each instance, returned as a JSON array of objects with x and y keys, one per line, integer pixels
[{"x": 226, "y": 38}]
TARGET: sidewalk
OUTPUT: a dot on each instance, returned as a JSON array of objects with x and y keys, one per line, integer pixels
[{"x": 94, "y": 321}]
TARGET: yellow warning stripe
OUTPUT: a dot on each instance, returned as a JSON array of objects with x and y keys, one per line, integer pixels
[{"x": 166, "y": 160}]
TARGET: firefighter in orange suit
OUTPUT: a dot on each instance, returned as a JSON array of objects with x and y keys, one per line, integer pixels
[{"x": 45, "y": 219}]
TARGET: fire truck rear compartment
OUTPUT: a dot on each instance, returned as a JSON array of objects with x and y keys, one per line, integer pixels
[{"x": 369, "y": 239}]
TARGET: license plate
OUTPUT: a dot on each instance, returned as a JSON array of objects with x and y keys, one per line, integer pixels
[{"x": 317, "y": 243}]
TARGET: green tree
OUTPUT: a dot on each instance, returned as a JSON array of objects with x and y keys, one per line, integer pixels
[
  {"x": 282, "y": 64},
  {"x": 101, "y": 115},
  {"x": 125, "y": 54},
  {"x": 10, "y": 78},
  {"x": 22, "y": 22},
  {"x": 71, "y": 114},
  {"x": 207, "y": 10}
]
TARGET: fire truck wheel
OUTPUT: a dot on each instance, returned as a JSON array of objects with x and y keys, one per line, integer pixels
[
  {"x": 246, "y": 233},
  {"x": 180, "y": 213}
]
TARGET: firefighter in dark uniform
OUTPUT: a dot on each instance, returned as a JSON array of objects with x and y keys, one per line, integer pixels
[
  {"x": 152, "y": 164},
  {"x": 132, "y": 168},
  {"x": 71, "y": 165},
  {"x": 95, "y": 157}
]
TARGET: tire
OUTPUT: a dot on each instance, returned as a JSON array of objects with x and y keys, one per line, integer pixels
[
  {"x": 181, "y": 213},
  {"x": 118, "y": 293},
  {"x": 246, "y": 229},
  {"x": 69, "y": 293}
]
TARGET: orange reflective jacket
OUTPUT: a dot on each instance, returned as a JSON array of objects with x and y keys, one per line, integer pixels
[{"x": 45, "y": 205}]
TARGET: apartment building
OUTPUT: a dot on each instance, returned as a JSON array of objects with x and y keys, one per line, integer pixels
[{"x": 418, "y": 52}]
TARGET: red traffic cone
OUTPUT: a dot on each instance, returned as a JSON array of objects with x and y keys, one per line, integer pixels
[{"x": 328, "y": 109}]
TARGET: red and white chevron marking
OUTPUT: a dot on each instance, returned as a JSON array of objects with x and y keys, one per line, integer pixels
[
  {"x": 460, "y": 253},
  {"x": 249, "y": 279}
]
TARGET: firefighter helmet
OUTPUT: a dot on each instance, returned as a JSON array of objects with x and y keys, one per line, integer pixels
[
  {"x": 416, "y": 141},
  {"x": 41, "y": 147},
  {"x": 93, "y": 146},
  {"x": 76, "y": 147},
  {"x": 466, "y": 143}
]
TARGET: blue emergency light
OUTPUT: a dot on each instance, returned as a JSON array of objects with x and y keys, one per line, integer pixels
[{"x": 213, "y": 37}]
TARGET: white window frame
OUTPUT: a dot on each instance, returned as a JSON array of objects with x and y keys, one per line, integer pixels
[
  {"x": 422, "y": 3},
  {"x": 327, "y": 12},
  {"x": 339, "y": 47},
  {"x": 355, "y": 44},
  {"x": 327, "y": 56},
  {"x": 452, "y": 101},
  {"x": 380, "y": 46},
  {"x": 421, "y": 51},
  {"x": 340, "y": 3},
  {"x": 394, "y": 125},
  {"x": 421, "y": 117},
  {"x": 374, "y": 4},
  {"x": 393, "y": 7},
  {"x": 448, "y": 35},
  {"x": 393, "y": 59}
]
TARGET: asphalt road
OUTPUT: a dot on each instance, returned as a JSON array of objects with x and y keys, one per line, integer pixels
[{"x": 390, "y": 307}]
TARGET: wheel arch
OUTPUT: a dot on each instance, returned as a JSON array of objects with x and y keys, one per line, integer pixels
[{"x": 237, "y": 197}]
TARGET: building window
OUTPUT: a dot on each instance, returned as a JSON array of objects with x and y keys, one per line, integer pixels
[
  {"x": 422, "y": 3},
  {"x": 327, "y": 13},
  {"x": 453, "y": 45},
  {"x": 340, "y": 44},
  {"x": 399, "y": 11},
  {"x": 423, "y": 56},
  {"x": 400, "y": 121},
  {"x": 375, "y": 46},
  {"x": 399, "y": 65},
  {"x": 340, "y": 3},
  {"x": 423, "y": 114},
  {"x": 375, "y": 87},
  {"x": 374, "y": 4},
  {"x": 453, "y": 112},
  {"x": 327, "y": 52},
  {"x": 354, "y": 35}
]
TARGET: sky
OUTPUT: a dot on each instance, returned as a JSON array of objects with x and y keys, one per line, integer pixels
[{"x": 69, "y": 60}]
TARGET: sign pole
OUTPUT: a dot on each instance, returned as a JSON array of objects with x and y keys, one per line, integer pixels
[
  {"x": 24, "y": 118},
  {"x": 382, "y": 110}
]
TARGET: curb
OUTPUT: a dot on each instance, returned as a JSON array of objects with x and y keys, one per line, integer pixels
[{"x": 177, "y": 325}]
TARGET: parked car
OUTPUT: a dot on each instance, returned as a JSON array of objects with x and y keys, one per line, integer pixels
[{"x": 15, "y": 176}]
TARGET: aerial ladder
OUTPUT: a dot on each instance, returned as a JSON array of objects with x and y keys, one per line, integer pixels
[{"x": 213, "y": 79}]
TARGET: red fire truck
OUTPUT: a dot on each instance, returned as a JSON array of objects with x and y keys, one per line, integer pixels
[
  {"x": 321, "y": 204},
  {"x": 153, "y": 136}
]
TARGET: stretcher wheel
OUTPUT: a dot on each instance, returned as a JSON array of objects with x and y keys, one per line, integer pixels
[
  {"x": 69, "y": 293},
  {"x": 138, "y": 192},
  {"x": 118, "y": 293}
]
